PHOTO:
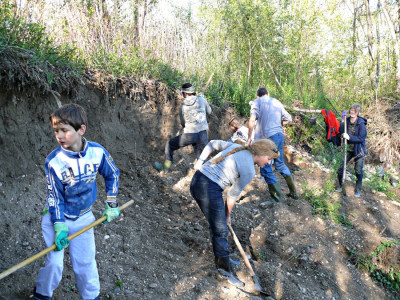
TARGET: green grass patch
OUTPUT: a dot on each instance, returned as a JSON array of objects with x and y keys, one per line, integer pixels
[
  {"x": 382, "y": 184},
  {"x": 390, "y": 279},
  {"x": 323, "y": 204}
]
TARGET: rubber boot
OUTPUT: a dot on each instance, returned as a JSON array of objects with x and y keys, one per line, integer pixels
[
  {"x": 275, "y": 191},
  {"x": 292, "y": 188},
  {"x": 357, "y": 192},
  {"x": 234, "y": 262},
  {"x": 339, "y": 187},
  {"x": 224, "y": 269}
]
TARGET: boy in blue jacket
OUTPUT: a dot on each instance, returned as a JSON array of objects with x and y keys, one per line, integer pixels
[
  {"x": 355, "y": 136},
  {"x": 71, "y": 171}
]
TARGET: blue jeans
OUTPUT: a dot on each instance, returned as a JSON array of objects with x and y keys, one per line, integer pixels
[
  {"x": 358, "y": 167},
  {"x": 208, "y": 196},
  {"x": 280, "y": 166},
  {"x": 198, "y": 140}
]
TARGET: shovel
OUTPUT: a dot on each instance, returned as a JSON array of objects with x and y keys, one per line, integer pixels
[
  {"x": 344, "y": 114},
  {"x": 51, "y": 248},
  {"x": 257, "y": 286}
]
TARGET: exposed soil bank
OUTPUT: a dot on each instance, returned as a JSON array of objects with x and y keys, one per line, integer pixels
[{"x": 159, "y": 248}]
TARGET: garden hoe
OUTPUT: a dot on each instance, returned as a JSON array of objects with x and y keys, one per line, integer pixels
[
  {"x": 344, "y": 114},
  {"x": 51, "y": 248},
  {"x": 257, "y": 286}
]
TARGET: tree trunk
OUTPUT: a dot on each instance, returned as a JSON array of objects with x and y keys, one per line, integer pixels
[
  {"x": 396, "y": 43},
  {"x": 378, "y": 46},
  {"x": 371, "y": 66},
  {"x": 136, "y": 24}
]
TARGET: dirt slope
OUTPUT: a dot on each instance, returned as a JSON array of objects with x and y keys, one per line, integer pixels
[{"x": 159, "y": 248}]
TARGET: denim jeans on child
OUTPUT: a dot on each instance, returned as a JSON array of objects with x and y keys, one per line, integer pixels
[
  {"x": 198, "y": 140},
  {"x": 280, "y": 166},
  {"x": 208, "y": 196}
]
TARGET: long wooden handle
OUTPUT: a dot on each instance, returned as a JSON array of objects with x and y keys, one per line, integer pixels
[
  {"x": 345, "y": 152},
  {"x": 51, "y": 248},
  {"x": 302, "y": 109},
  {"x": 208, "y": 82},
  {"x": 239, "y": 246}
]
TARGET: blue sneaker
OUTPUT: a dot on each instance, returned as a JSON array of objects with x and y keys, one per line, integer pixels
[{"x": 357, "y": 194}]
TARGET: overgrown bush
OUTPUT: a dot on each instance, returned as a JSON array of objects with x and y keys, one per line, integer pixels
[{"x": 18, "y": 33}]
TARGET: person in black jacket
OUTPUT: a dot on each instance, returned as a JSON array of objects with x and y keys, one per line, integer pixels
[{"x": 355, "y": 136}]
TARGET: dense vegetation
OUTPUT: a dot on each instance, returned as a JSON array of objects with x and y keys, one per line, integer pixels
[
  {"x": 305, "y": 50},
  {"x": 317, "y": 54}
]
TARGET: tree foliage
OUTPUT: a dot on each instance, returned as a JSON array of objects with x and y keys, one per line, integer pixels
[{"x": 311, "y": 50}]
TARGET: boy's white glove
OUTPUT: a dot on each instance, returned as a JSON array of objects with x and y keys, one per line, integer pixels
[{"x": 346, "y": 136}]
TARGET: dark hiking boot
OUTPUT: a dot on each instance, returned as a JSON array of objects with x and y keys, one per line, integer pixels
[
  {"x": 37, "y": 296},
  {"x": 224, "y": 271},
  {"x": 275, "y": 191},
  {"x": 234, "y": 262},
  {"x": 292, "y": 188}
]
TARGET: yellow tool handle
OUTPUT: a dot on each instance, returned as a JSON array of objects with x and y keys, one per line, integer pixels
[{"x": 51, "y": 248}]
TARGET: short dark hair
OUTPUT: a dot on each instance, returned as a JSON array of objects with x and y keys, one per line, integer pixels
[
  {"x": 262, "y": 92},
  {"x": 186, "y": 85},
  {"x": 71, "y": 114}
]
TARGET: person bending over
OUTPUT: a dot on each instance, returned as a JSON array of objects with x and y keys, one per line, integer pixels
[{"x": 232, "y": 169}]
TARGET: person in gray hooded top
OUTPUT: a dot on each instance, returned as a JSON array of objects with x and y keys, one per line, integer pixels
[
  {"x": 231, "y": 170},
  {"x": 193, "y": 116}
]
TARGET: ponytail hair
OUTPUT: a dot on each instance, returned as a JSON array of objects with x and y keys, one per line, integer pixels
[{"x": 261, "y": 147}]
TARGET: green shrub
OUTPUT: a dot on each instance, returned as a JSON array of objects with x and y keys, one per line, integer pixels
[
  {"x": 17, "y": 33},
  {"x": 391, "y": 279},
  {"x": 322, "y": 203}
]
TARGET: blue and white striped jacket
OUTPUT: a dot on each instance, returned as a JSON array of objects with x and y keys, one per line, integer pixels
[{"x": 71, "y": 180}]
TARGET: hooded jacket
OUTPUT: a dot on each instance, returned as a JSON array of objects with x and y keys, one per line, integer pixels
[
  {"x": 193, "y": 114},
  {"x": 71, "y": 180},
  {"x": 332, "y": 126},
  {"x": 358, "y": 139}
]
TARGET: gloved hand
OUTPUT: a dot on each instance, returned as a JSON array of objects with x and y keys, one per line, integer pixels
[
  {"x": 198, "y": 164},
  {"x": 111, "y": 212},
  {"x": 346, "y": 136},
  {"x": 60, "y": 239}
]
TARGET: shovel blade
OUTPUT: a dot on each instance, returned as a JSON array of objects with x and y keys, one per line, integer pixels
[{"x": 257, "y": 286}]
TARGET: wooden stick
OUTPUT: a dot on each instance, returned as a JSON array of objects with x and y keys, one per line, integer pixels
[
  {"x": 336, "y": 111},
  {"x": 239, "y": 246},
  {"x": 51, "y": 248},
  {"x": 345, "y": 160},
  {"x": 208, "y": 82},
  {"x": 303, "y": 109}
]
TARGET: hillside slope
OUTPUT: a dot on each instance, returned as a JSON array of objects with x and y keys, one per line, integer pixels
[{"x": 159, "y": 248}]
